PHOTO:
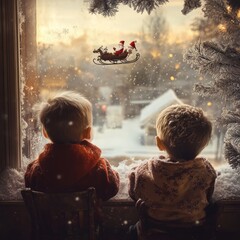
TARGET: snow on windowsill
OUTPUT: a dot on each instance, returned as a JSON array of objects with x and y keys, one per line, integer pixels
[{"x": 227, "y": 183}]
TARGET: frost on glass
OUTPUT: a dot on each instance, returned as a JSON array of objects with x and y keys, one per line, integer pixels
[{"x": 126, "y": 98}]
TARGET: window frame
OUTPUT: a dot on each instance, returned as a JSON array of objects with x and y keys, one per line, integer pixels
[{"x": 10, "y": 121}]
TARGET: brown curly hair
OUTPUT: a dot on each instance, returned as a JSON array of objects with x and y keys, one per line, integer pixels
[{"x": 184, "y": 130}]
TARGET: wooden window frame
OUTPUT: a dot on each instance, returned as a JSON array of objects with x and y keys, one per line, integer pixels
[{"x": 10, "y": 127}]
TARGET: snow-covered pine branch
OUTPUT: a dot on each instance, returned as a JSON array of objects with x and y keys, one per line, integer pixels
[
  {"x": 110, "y": 7},
  {"x": 230, "y": 88},
  {"x": 232, "y": 145},
  {"x": 232, "y": 155},
  {"x": 229, "y": 117},
  {"x": 217, "y": 10},
  {"x": 105, "y": 7},
  {"x": 227, "y": 16},
  {"x": 189, "y": 5},
  {"x": 208, "y": 90},
  {"x": 220, "y": 59},
  {"x": 211, "y": 58}
]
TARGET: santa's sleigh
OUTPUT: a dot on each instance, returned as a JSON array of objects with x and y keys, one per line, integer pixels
[{"x": 106, "y": 58}]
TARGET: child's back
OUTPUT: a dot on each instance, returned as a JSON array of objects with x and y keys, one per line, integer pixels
[
  {"x": 70, "y": 163},
  {"x": 177, "y": 188}
]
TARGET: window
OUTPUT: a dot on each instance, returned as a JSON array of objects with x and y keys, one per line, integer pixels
[
  {"x": 60, "y": 37},
  {"x": 56, "y": 52}
]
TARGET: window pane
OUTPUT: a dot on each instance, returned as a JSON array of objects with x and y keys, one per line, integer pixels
[{"x": 126, "y": 97}]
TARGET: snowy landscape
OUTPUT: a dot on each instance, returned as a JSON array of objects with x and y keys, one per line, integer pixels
[{"x": 125, "y": 143}]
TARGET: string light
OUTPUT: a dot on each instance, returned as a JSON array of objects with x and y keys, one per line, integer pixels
[
  {"x": 222, "y": 27},
  {"x": 177, "y": 65},
  {"x": 238, "y": 14},
  {"x": 155, "y": 54},
  {"x": 229, "y": 9},
  {"x": 172, "y": 78},
  {"x": 170, "y": 55},
  {"x": 209, "y": 104}
]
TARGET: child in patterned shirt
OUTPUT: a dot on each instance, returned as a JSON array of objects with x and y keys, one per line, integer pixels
[{"x": 177, "y": 188}]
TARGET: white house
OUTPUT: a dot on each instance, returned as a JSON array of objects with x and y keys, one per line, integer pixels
[{"x": 149, "y": 114}]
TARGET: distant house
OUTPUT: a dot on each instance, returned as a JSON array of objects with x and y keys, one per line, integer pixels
[
  {"x": 150, "y": 112},
  {"x": 139, "y": 98}
]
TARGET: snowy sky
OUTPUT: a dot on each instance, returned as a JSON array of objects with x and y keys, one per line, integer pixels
[{"x": 67, "y": 19}]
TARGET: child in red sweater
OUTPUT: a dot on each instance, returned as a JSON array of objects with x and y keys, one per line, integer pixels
[{"x": 70, "y": 163}]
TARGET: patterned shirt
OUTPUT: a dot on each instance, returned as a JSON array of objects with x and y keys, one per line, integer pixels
[{"x": 174, "y": 191}]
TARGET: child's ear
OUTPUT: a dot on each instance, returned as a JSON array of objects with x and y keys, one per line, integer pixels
[
  {"x": 87, "y": 133},
  {"x": 160, "y": 144},
  {"x": 45, "y": 133}
]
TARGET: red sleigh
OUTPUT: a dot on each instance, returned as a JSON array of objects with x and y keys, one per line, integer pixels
[{"x": 106, "y": 58}]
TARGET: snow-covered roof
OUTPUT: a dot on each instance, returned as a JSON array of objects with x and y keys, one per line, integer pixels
[{"x": 150, "y": 112}]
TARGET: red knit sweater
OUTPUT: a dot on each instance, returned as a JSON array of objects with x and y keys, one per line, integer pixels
[{"x": 72, "y": 167}]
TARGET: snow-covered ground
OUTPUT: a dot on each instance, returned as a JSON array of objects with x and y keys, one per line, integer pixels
[{"x": 125, "y": 141}]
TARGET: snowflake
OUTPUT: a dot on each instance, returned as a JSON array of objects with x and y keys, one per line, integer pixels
[{"x": 65, "y": 31}]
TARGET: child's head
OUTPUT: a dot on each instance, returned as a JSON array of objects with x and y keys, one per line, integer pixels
[
  {"x": 183, "y": 131},
  {"x": 67, "y": 117}
]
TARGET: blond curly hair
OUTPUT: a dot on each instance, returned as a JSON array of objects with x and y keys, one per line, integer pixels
[{"x": 65, "y": 116}]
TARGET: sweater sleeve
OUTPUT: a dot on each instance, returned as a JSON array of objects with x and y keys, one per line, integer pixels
[
  {"x": 107, "y": 180},
  {"x": 136, "y": 178},
  {"x": 33, "y": 176},
  {"x": 131, "y": 188},
  {"x": 212, "y": 176}
]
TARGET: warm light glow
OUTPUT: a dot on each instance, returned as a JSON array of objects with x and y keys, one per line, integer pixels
[
  {"x": 229, "y": 9},
  {"x": 200, "y": 78},
  {"x": 155, "y": 54},
  {"x": 177, "y": 65},
  {"x": 170, "y": 55},
  {"x": 104, "y": 108},
  {"x": 180, "y": 38},
  {"x": 238, "y": 14},
  {"x": 222, "y": 27},
  {"x": 209, "y": 104},
  {"x": 172, "y": 78}
]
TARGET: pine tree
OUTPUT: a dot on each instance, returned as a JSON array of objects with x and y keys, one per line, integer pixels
[{"x": 220, "y": 58}]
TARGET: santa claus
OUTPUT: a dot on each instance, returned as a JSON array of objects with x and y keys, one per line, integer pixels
[
  {"x": 132, "y": 46},
  {"x": 120, "y": 49}
]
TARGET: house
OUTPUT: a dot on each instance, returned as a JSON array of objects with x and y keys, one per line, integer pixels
[
  {"x": 139, "y": 97},
  {"x": 149, "y": 114}
]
